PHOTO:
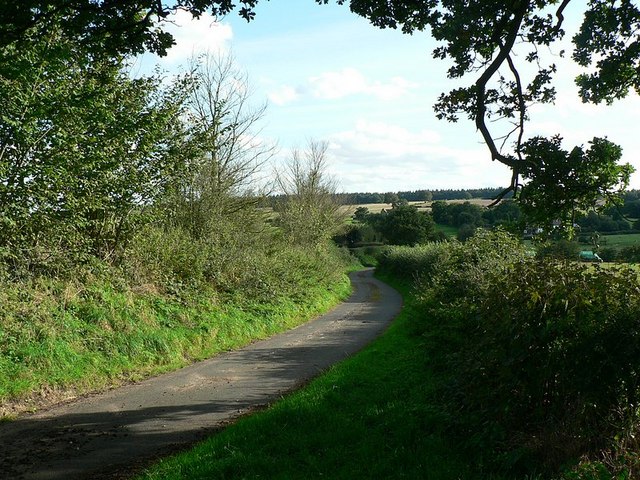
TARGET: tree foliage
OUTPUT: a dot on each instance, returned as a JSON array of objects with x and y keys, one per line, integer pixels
[
  {"x": 309, "y": 211},
  {"x": 111, "y": 28},
  {"x": 225, "y": 153},
  {"x": 490, "y": 41},
  {"x": 562, "y": 183},
  {"x": 83, "y": 149},
  {"x": 405, "y": 225}
]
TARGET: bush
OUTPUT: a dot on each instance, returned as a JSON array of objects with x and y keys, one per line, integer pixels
[
  {"x": 630, "y": 254},
  {"x": 368, "y": 256},
  {"x": 352, "y": 235},
  {"x": 172, "y": 299},
  {"x": 550, "y": 355},
  {"x": 608, "y": 254},
  {"x": 559, "y": 250},
  {"x": 538, "y": 360},
  {"x": 465, "y": 232},
  {"x": 409, "y": 263}
]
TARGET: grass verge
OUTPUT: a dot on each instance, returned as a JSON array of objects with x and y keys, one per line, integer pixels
[
  {"x": 60, "y": 339},
  {"x": 367, "y": 417}
]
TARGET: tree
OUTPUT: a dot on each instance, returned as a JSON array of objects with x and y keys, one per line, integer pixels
[
  {"x": 361, "y": 214},
  {"x": 506, "y": 214},
  {"x": 84, "y": 150},
  {"x": 490, "y": 40},
  {"x": 111, "y": 28},
  {"x": 226, "y": 153},
  {"x": 442, "y": 212},
  {"x": 391, "y": 197},
  {"x": 311, "y": 210},
  {"x": 561, "y": 184},
  {"x": 404, "y": 224}
]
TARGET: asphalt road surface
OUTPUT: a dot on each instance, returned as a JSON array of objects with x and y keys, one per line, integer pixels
[{"x": 106, "y": 435}]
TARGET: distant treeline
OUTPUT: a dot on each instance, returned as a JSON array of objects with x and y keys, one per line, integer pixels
[
  {"x": 361, "y": 198},
  {"x": 630, "y": 208}
]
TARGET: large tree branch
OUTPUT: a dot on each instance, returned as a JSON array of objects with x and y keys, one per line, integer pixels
[
  {"x": 522, "y": 107},
  {"x": 481, "y": 85},
  {"x": 560, "y": 16}
]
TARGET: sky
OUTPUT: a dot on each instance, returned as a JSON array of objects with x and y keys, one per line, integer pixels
[{"x": 328, "y": 75}]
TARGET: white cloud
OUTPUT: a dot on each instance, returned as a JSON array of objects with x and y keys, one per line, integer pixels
[
  {"x": 341, "y": 84},
  {"x": 195, "y": 36},
  {"x": 334, "y": 85},
  {"x": 378, "y": 139},
  {"x": 382, "y": 157},
  {"x": 349, "y": 81},
  {"x": 396, "y": 88},
  {"x": 284, "y": 95}
]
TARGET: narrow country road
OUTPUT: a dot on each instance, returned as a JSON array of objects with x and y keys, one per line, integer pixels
[{"x": 103, "y": 435}]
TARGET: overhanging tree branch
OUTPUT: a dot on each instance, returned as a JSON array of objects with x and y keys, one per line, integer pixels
[{"x": 481, "y": 85}]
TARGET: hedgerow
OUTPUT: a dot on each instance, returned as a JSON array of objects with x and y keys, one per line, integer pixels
[{"x": 539, "y": 361}]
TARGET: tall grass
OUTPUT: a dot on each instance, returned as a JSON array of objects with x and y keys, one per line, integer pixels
[{"x": 171, "y": 303}]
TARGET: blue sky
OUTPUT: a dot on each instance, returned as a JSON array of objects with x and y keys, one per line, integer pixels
[{"x": 327, "y": 74}]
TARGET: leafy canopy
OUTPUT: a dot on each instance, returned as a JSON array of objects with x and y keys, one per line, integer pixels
[
  {"x": 83, "y": 150},
  {"x": 112, "y": 27},
  {"x": 562, "y": 183},
  {"x": 489, "y": 41},
  {"x": 404, "y": 224}
]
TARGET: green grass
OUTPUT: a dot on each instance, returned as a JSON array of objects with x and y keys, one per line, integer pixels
[
  {"x": 448, "y": 230},
  {"x": 61, "y": 338},
  {"x": 368, "y": 417},
  {"x": 619, "y": 241}
]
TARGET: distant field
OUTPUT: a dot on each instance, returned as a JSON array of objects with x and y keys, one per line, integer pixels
[
  {"x": 620, "y": 241},
  {"x": 378, "y": 207},
  {"x": 483, "y": 202}
]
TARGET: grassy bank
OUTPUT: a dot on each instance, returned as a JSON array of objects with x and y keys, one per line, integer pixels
[
  {"x": 63, "y": 337},
  {"x": 368, "y": 417}
]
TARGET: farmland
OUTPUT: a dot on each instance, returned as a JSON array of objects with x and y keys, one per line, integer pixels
[{"x": 422, "y": 206}]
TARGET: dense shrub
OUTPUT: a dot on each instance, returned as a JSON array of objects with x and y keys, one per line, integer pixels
[
  {"x": 465, "y": 232},
  {"x": 355, "y": 234},
  {"x": 608, "y": 254},
  {"x": 538, "y": 360},
  {"x": 549, "y": 357},
  {"x": 369, "y": 256},
  {"x": 560, "y": 250},
  {"x": 260, "y": 266},
  {"x": 171, "y": 301},
  {"x": 423, "y": 261},
  {"x": 630, "y": 254}
]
